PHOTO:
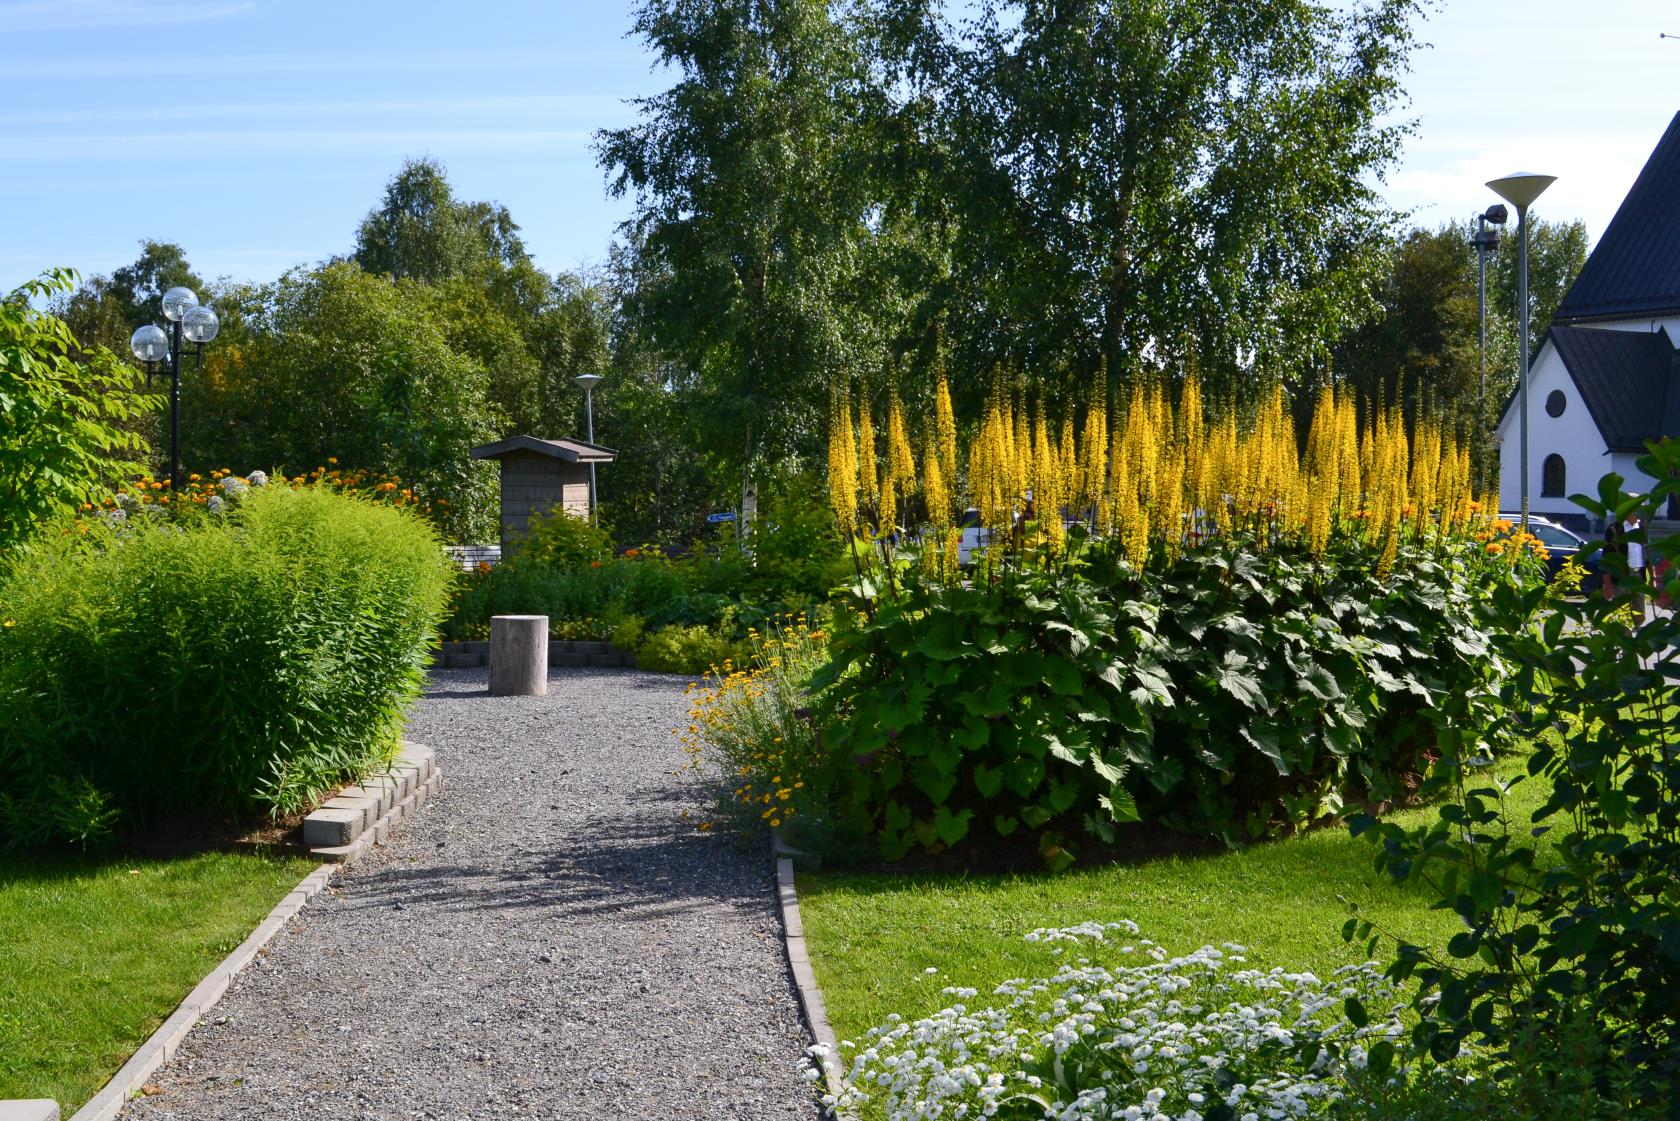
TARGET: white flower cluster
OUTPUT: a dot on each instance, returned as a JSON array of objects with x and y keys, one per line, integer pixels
[
  {"x": 233, "y": 486},
  {"x": 1157, "y": 1038}
]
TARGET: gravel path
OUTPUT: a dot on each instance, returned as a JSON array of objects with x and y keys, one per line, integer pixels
[{"x": 548, "y": 939}]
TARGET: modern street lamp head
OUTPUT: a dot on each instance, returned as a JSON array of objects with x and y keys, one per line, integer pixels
[
  {"x": 200, "y": 324},
  {"x": 1496, "y": 214},
  {"x": 1521, "y": 188},
  {"x": 589, "y": 381},
  {"x": 150, "y": 344},
  {"x": 177, "y": 301}
]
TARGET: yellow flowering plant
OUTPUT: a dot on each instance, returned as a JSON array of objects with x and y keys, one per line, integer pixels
[{"x": 750, "y": 728}]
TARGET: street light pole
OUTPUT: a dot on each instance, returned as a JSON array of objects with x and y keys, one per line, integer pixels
[
  {"x": 191, "y": 322},
  {"x": 1484, "y": 240},
  {"x": 589, "y": 382},
  {"x": 1520, "y": 190}
]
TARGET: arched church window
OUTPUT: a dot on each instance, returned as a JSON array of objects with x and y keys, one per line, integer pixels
[{"x": 1552, "y": 477}]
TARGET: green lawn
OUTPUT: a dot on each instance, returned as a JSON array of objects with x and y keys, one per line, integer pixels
[
  {"x": 872, "y": 937},
  {"x": 95, "y": 952}
]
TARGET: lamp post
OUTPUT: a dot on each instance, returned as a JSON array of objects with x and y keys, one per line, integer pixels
[
  {"x": 589, "y": 382},
  {"x": 1520, "y": 190},
  {"x": 1485, "y": 240},
  {"x": 187, "y": 320}
]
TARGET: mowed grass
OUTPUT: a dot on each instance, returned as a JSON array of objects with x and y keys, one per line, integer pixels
[
  {"x": 95, "y": 952},
  {"x": 872, "y": 937}
]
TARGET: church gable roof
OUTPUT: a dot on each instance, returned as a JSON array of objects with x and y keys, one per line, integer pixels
[
  {"x": 1634, "y": 271},
  {"x": 1629, "y": 380}
]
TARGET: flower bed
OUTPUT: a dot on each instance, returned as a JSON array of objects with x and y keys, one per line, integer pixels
[{"x": 1231, "y": 639}]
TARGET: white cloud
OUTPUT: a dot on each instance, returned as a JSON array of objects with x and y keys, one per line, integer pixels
[
  {"x": 63, "y": 15},
  {"x": 83, "y": 68},
  {"x": 518, "y": 104},
  {"x": 135, "y": 149}
]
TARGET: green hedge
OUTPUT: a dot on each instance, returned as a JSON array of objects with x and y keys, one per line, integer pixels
[{"x": 246, "y": 662}]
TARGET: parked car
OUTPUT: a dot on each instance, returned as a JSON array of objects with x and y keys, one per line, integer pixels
[
  {"x": 974, "y": 536},
  {"x": 1562, "y": 544}
]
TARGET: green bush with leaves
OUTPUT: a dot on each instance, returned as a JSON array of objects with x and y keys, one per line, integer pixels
[
  {"x": 1571, "y": 921},
  {"x": 245, "y": 663},
  {"x": 62, "y": 435},
  {"x": 685, "y": 650},
  {"x": 1232, "y": 692},
  {"x": 569, "y": 570}
]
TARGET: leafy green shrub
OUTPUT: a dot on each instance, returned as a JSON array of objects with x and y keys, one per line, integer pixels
[
  {"x": 1229, "y": 691},
  {"x": 564, "y": 543},
  {"x": 62, "y": 433},
  {"x": 246, "y": 663},
  {"x": 685, "y": 650},
  {"x": 598, "y": 594},
  {"x": 566, "y": 569},
  {"x": 1573, "y": 924}
]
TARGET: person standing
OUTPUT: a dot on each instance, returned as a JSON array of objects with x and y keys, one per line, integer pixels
[
  {"x": 1635, "y": 552},
  {"x": 1614, "y": 545}
]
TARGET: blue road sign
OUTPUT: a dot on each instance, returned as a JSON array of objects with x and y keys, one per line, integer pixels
[{"x": 721, "y": 516}]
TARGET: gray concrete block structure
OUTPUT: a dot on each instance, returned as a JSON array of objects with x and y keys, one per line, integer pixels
[
  {"x": 29, "y": 1109},
  {"x": 539, "y": 476}
]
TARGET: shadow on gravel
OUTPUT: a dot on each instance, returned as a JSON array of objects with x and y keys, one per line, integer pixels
[
  {"x": 638, "y": 872},
  {"x": 472, "y": 682}
]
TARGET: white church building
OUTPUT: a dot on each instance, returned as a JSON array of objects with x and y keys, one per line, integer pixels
[{"x": 1607, "y": 376}]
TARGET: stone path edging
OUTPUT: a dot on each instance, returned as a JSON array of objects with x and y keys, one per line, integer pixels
[
  {"x": 804, "y": 978},
  {"x": 167, "y": 1039},
  {"x": 413, "y": 781},
  {"x": 164, "y": 1042}
]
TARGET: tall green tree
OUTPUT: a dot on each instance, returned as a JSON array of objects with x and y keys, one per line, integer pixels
[
  {"x": 532, "y": 332},
  {"x": 1556, "y": 252},
  {"x": 421, "y": 231},
  {"x": 754, "y": 191},
  {"x": 1422, "y": 348},
  {"x": 1166, "y": 185}
]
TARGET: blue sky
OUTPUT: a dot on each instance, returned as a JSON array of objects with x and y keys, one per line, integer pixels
[{"x": 257, "y": 133}]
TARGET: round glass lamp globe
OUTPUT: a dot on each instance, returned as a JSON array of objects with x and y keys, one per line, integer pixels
[
  {"x": 199, "y": 325},
  {"x": 150, "y": 344},
  {"x": 176, "y": 301}
]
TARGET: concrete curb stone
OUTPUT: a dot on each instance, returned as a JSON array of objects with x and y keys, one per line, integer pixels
[
  {"x": 167, "y": 1039},
  {"x": 28, "y": 1109},
  {"x": 799, "y": 962},
  {"x": 411, "y": 783}
]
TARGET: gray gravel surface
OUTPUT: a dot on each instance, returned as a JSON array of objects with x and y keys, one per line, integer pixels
[{"x": 551, "y": 938}]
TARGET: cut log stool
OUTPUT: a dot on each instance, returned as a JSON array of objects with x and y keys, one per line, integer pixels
[{"x": 518, "y": 655}]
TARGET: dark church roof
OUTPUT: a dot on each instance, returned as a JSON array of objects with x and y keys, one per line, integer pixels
[
  {"x": 1630, "y": 381},
  {"x": 1634, "y": 271}
]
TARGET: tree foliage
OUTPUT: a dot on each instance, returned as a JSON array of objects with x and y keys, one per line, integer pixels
[
  {"x": 336, "y": 362},
  {"x": 1422, "y": 349},
  {"x": 828, "y": 188},
  {"x": 60, "y": 440},
  {"x": 1169, "y": 186},
  {"x": 753, "y": 194}
]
